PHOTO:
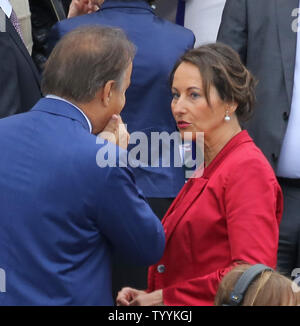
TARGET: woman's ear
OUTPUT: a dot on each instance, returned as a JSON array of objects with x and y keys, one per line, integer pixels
[
  {"x": 107, "y": 92},
  {"x": 231, "y": 107}
]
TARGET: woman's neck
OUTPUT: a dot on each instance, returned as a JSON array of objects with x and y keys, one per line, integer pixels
[{"x": 216, "y": 140}]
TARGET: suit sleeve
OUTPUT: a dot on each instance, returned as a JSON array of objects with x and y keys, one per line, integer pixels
[
  {"x": 233, "y": 30},
  {"x": 53, "y": 37},
  {"x": 192, "y": 40},
  {"x": 127, "y": 221},
  {"x": 253, "y": 203},
  {"x": 9, "y": 100}
]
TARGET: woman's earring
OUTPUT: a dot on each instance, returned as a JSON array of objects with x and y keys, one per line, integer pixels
[
  {"x": 153, "y": 6},
  {"x": 227, "y": 116}
]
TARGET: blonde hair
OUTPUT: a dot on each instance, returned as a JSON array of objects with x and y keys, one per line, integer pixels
[{"x": 268, "y": 289}]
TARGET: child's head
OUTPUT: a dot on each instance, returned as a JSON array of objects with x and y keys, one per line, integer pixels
[{"x": 268, "y": 288}]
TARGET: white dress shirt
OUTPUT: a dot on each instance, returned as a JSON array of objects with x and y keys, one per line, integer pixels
[
  {"x": 76, "y": 107},
  {"x": 203, "y": 17},
  {"x": 289, "y": 159},
  {"x": 6, "y": 7}
]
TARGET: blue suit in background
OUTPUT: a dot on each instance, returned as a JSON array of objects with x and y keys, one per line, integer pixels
[
  {"x": 148, "y": 99},
  {"x": 62, "y": 216}
]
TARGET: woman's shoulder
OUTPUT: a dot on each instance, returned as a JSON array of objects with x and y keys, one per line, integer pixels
[
  {"x": 240, "y": 159},
  {"x": 248, "y": 159}
]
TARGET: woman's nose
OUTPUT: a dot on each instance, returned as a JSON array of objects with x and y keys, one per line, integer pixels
[{"x": 179, "y": 106}]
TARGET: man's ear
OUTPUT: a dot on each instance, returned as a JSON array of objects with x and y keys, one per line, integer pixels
[{"x": 106, "y": 93}]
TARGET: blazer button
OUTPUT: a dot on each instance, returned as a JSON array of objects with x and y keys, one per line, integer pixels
[
  {"x": 161, "y": 268},
  {"x": 285, "y": 116}
]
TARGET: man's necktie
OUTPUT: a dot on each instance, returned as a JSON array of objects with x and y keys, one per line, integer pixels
[{"x": 14, "y": 20}]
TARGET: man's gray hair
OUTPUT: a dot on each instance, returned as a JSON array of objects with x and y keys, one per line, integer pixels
[{"x": 84, "y": 60}]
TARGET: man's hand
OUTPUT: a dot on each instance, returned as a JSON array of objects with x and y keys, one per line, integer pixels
[
  {"x": 82, "y": 7},
  {"x": 116, "y": 132}
]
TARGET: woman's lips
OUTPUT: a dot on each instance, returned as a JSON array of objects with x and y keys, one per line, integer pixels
[{"x": 183, "y": 124}]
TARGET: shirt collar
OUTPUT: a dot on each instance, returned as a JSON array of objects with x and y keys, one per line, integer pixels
[
  {"x": 6, "y": 7},
  {"x": 76, "y": 107}
]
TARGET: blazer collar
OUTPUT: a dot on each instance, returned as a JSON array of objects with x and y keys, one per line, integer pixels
[
  {"x": 237, "y": 140},
  {"x": 194, "y": 187},
  {"x": 188, "y": 194},
  {"x": 288, "y": 41},
  {"x": 16, "y": 38},
  {"x": 61, "y": 108},
  {"x": 108, "y": 4}
]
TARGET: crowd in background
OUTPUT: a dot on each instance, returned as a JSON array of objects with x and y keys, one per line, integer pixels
[{"x": 242, "y": 92}]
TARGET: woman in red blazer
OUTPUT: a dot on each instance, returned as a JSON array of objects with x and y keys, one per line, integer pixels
[{"x": 231, "y": 213}]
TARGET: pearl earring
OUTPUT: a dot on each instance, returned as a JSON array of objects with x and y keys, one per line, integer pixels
[{"x": 227, "y": 116}]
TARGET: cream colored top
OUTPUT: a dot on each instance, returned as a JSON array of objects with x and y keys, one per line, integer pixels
[{"x": 22, "y": 10}]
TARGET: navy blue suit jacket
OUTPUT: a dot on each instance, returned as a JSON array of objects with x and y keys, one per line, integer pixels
[
  {"x": 159, "y": 44},
  {"x": 62, "y": 215}
]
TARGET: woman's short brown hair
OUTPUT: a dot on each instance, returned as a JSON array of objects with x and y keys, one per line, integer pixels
[
  {"x": 220, "y": 66},
  {"x": 269, "y": 289}
]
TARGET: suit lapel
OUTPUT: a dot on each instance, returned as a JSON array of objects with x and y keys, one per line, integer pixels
[
  {"x": 288, "y": 40},
  {"x": 185, "y": 199},
  {"x": 16, "y": 38}
]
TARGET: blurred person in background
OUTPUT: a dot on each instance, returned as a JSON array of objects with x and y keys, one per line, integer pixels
[
  {"x": 45, "y": 13},
  {"x": 19, "y": 77},
  {"x": 266, "y": 36},
  {"x": 203, "y": 17},
  {"x": 22, "y": 10},
  {"x": 267, "y": 288}
]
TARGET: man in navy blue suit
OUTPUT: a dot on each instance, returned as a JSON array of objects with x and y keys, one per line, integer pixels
[
  {"x": 59, "y": 219},
  {"x": 159, "y": 44}
]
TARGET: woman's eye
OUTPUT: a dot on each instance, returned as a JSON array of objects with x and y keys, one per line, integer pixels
[
  {"x": 175, "y": 96},
  {"x": 194, "y": 95}
]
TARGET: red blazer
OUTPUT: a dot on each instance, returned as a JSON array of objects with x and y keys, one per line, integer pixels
[{"x": 230, "y": 214}]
